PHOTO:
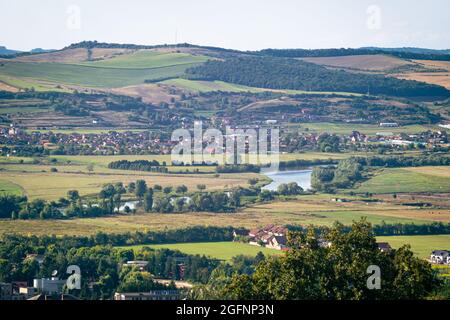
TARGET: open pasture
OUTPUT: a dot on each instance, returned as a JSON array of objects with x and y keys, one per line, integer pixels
[
  {"x": 218, "y": 250},
  {"x": 420, "y": 245},
  {"x": 407, "y": 180}
]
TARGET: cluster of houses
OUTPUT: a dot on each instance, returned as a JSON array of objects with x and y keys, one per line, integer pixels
[
  {"x": 275, "y": 237},
  {"x": 53, "y": 288},
  {"x": 107, "y": 143},
  {"x": 271, "y": 236}
]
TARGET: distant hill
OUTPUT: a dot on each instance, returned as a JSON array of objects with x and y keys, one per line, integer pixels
[
  {"x": 40, "y": 50},
  {"x": 6, "y": 51},
  {"x": 10, "y": 52},
  {"x": 337, "y": 52},
  {"x": 410, "y": 50}
]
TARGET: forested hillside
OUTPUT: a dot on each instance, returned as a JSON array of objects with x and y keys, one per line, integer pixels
[{"x": 283, "y": 73}]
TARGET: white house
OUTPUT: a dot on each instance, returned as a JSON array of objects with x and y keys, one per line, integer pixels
[
  {"x": 49, "y": 285},
  {"x": 440, "y": 257}
]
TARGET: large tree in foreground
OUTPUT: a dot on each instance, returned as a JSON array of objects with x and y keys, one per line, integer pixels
[{"x": 340, "y": 271}]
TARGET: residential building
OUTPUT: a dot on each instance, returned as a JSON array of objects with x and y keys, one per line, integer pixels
[
  {"x": 440, "y": 256},
  {"x": 388, "y": 124},
  {"x": 151, "y": 295},
  {"x": 49, "y": 285},
  {"x": 384, "y": 246},
  {"x": 140, "y": 264}
]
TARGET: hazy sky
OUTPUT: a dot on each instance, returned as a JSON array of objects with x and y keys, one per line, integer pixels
[{"x": 238, "y": 24}]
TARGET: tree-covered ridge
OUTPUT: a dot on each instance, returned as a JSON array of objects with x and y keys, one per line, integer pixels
[
  {"x": 283, "y": 73},
  {"x": 403, "y": 53}
]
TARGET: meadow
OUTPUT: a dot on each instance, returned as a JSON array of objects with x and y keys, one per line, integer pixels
[
  {"x": 401, "y": 180},
  {"x": 39, "y": 182},
  {"x": 420, "y": 245},
  {"x": 144, "y": 59},
  {"x": 8, "y": 187},
  {"x": 217, "y": 250},
  {"x": 305, "y": 210},
  {"x": 347, "y": 128},
  {"x": 89, "y": 76},
  {"x": 118, "y": 70}
]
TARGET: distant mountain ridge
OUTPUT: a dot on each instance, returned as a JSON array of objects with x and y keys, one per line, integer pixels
[
  {"x": 400, "y": 52},
  {"x": 410, "y": 50},
  {"x": 4, "y": 51}
]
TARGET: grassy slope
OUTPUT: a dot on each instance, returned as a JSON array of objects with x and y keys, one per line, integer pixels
[
  {"x": 218, "y": 250},
  {"x": 123, "y": 70},
  {"x": 399, "y": 180},
  {"x": 147, "y": 59},
  {"x": 25, "y": 83},
  {"x": 89, "y": 76}
]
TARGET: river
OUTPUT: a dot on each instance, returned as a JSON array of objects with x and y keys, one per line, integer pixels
[{"x": 302, "y": 177}]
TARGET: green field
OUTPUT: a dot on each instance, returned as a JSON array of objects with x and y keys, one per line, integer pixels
[
  {"x": 368, "y": 129},
  {"x": 88, "y": 75},
  {"x": 421, "y": 245},
  {"x": 145, "y": 59},
  {"x": 8, "y": 187},
  {"x": 401, "y": 180},
  {"x": 218, "y": 250},
  {"x": 23, "y": 83}
]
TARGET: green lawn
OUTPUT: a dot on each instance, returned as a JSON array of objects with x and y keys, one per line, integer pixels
[
  {"x": 218, "y": 250},
  {"x": 421, "y": 245},
  {"x": 401, "y": 180}
]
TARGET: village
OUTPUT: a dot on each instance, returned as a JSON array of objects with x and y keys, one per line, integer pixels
[{"x": 16, "y": 141}]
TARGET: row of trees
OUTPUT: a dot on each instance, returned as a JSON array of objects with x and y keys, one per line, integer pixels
[
  {"x": 420, "y": 54},
  {"x": 139, "y": 165}
]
